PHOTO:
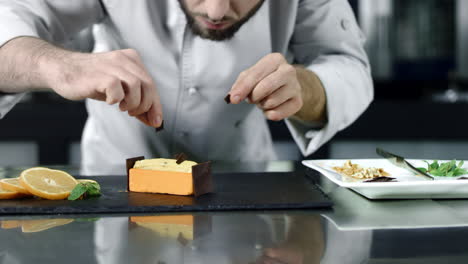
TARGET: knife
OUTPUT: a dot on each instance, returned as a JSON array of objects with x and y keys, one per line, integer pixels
[{"x": 401, "y": 162}]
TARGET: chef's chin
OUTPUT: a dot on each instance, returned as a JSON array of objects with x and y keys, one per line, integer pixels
[
  {"x": 217, "y": 34},
  {"x": 214, "y": 34}
]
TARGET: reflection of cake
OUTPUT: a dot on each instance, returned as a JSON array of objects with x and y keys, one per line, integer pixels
[
  {"x": 171, "y": 226},
  {"x": 168, "y": 176},
  {"x": 180, "y": 227}
]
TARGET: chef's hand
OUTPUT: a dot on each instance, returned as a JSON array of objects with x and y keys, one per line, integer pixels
[
  {"x": 116, "y": 77},
  {"x": 304, "y": 243},
  {"x": 281, "y": 256},
  {"x": 281, "y": 90}
]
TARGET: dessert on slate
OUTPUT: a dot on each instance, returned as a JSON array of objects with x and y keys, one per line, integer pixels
[{"x": 169, "y": 176}]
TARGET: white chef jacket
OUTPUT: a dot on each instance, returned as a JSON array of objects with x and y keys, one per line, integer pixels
[{"x": 193, "y": 75}]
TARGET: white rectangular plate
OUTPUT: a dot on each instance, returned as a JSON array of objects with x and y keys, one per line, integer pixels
[{"x": 408, "y": 185}]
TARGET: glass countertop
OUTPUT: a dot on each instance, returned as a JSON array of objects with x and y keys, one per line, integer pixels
[{"x": 355, "y": 230}]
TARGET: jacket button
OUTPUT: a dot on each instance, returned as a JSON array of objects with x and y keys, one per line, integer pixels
[
  {"x": 192, "y": 91},
  {"x": 345, "y": 24}
]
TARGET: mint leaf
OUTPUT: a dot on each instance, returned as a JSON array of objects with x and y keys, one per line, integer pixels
[
  {"x": 85, "y": 190},
  {"x": 77, "y": 192},
  {"x": 453, "y": 165},
  {"x": 459, "y": 171},
  {"x": 445, "y": 169},
  {"x": 434, "y": 165},
  {"x": 94, "y": 190},
  {"x": 437, "y": 173}
]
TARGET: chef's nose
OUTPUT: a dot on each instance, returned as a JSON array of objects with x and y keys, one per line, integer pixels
[{"x": 217, "y": 9}]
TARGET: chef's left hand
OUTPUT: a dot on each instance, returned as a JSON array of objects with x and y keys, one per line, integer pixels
[{"x": 272, "y": 84}]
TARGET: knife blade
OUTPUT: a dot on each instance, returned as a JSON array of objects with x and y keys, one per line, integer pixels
[{"x": 399, "y": 161}]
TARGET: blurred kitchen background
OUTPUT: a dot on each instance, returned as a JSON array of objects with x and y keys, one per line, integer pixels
[{"x": 419, "y": 55}]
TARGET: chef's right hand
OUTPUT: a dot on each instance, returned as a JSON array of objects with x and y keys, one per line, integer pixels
[{"x": 116, "y": 77}]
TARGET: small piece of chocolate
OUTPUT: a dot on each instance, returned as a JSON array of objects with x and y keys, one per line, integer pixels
[
  {"x": 181, "y": 157},
  {"x": 202, "y": 181},
  {"x": 130, "y": 163},
  {"x": 161, "y": 127},
  {"x": 182, "y": 240},
  {"x": 463, "y": 178},
  {"x": 227, "y": 99},
  {"x": 382, "y": 179}
]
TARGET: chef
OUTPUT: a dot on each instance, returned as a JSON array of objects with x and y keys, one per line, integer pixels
[{"x": 209, "y": 72}]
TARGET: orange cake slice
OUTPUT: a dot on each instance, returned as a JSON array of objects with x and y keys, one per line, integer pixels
[{"x": 168, "y": 176}]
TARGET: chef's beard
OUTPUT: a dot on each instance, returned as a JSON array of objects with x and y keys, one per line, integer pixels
[{"x": 217, "y": 34}]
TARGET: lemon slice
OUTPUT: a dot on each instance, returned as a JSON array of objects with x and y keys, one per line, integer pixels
[
  {"x": 47, "y": 183},
  {"x": 30, "y": 226},
  {"x": 6, "y": 194},
  {"x": 14, "y": 185},
  {"x": 9, "y": 224}
]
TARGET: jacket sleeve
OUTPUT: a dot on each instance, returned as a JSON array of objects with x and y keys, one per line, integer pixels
[
  {"x": 327, "y": 40},
  {"x": 55, "y": 21}
]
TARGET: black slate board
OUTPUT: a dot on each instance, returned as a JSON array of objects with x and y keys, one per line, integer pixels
[{"x": 233, "y": 191}]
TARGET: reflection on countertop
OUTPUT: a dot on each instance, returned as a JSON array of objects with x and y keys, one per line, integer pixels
[
  {"x": 186, "y": 238},
  {"x": 356, "y": 230}
]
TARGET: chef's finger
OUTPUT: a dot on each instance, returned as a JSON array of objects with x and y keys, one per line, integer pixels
[
  {"x": 156, "y": 113},
  {"x": 98, "y": 96},
  {"x": 285, "y": 110},
  {"x": 272, "y": 82},
  {"x": 144, "y": 119},
  {"x": 277, "y": 98},
  {"x": 110, "y": 88},
  {"x": 249, "y": 78},
  {"x": 151, "y": 118},
  {"x": 132, "y": 88},
  {"x": 147, "y": 94},
  {"x": 154, "y": 116},
  {"x": 149, "y": 91}
]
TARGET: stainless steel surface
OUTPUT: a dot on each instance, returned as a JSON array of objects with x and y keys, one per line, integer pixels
[
  {"x": 375, "y": 19},
  {"x": 357, "y": 230},
  {"x": 402, "y": 163},
  {"x": 401, "y": 33},
  {"x": 462, "y": 38}
]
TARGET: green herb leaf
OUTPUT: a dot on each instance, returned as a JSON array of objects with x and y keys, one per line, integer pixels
[
  {"x": 85, "y": 190},
  {"x": 437, "y": 173},
  {"x": 434, "y": 165},
  {"x": 453, "y": 164},
  {"x": 459, "y": 172},
  {"x": 94, "y": 190},
  {"x": 445, "y": 169},
  {"x": 77, "y": 192}
]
